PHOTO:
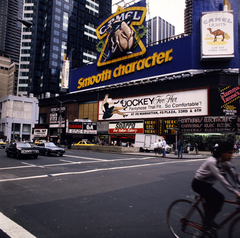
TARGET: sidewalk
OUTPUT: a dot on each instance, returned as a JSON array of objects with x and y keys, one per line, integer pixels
[{"x": 191, "y": 155}]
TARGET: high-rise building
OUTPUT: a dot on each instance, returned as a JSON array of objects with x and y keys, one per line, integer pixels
[
  {"x": 8, "y": 77},
  {"x": 10, "y": 28},
  {"x": 158, "y": 29},
  {"x": 24, "y": 60},
  {"x": 62, "y": 27},
  {"x": 188, "y": 15}
]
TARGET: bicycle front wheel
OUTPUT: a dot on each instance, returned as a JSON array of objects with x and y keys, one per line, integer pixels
[
  {"x": 234, "y": 231},
  {"x": 182, "y": 225}
]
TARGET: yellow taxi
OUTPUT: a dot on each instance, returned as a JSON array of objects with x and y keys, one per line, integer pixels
[
  {"x": 39, "y": 141},
  {"x": 85, "y": 143},
  {"x": 2, "y": 143}
]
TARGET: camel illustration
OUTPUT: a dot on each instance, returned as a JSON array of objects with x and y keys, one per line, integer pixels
[{"x": 216, "y": 33}]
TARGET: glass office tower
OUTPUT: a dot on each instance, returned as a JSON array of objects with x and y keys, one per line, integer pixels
[
  {"x": 62, "y": 27},
  {"x": 10, "y": 28}
]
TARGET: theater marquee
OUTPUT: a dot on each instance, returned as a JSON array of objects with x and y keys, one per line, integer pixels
[{"x": 174, "y": 104}]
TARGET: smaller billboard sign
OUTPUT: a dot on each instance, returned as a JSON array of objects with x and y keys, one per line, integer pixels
[
  {"x": 230, "y": 96},
  {"x": 219, "y": 124},
  {"x": 126, "y": 127},
  {"x": 40, "y": 132},
  {"x": 80, "y": 127},
  {"x": 217, "y": 35}
]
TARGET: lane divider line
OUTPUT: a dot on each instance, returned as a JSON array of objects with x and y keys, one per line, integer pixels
[{"x": 95, "y": 170}]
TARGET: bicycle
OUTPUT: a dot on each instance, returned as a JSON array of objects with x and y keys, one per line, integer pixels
[{"x": 184, "y": 219}]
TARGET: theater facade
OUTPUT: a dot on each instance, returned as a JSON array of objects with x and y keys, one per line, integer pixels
[{"x": 185, "y": 86}]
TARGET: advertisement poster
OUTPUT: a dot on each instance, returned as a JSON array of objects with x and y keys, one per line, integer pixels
[
  {"x": 217, "y": 35},
  {"x": 57, "y": 117},
  {"x": 230, "y": 99},
  {"x": 174, "y": 104}
]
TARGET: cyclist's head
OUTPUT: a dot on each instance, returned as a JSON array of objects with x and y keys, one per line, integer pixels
[{"x": 223, "y": 147}]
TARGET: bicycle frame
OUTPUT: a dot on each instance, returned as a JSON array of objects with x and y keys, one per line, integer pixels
[
  {"x": 186, "y": 221},
  {"x": 233, "y": 214}
]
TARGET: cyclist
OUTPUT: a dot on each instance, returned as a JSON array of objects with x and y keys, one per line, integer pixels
[{"x": 213, "y": 169}]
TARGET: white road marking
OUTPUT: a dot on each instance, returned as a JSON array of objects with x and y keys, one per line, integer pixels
[
  {"x": 95, "y": 170},
  {"x": 69, "y": 162},
  {"x": 33, "y": 165},
  {"x": 73, "y": 156},
  {"x": 12, "y": 229}
]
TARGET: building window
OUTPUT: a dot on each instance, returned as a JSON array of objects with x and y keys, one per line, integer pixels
[{"x": 26, "y": 128}]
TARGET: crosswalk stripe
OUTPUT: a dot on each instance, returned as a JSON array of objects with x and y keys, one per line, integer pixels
[{"x": 13, "y": 229}]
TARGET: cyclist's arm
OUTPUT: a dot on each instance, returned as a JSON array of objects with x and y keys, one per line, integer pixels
[{"x": 216, "y": 172}]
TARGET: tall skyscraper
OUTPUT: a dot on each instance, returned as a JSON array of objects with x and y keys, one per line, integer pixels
[
  {"x": 62, "y": 27},
  {"x": 158, "y": 29},
  {"x": 188, "y": 13},
  {"x": 24, "y": 60},
  {"x": 10, "y": 28}
]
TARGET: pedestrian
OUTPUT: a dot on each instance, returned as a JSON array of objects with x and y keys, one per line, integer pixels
[
  {"x": 159, "y": 147},
  {"x": 215, "y": 168},
  {"x": 164, "y": 147},
  {"x": 235, "y": 148},
  {"x": 196, "y": 148},
  {"x": 155, "y": 146},
  {"x": 188, "y": 147},
  {"x": 179, "y": 147}
]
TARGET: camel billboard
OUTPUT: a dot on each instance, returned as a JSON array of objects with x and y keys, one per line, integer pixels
[{"x": 217, "y": 35}]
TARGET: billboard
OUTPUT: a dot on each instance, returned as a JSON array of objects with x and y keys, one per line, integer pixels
[
  {"x": 122, "y": 35},
  {"x": 172, "y": 104},
  {"x": 57, "y": 117},
  {"x": 217, "y": 35},
  {"x": 170, "y": 59}
]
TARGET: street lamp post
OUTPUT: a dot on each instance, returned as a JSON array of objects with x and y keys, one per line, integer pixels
[{"x": 60, "y": 117}]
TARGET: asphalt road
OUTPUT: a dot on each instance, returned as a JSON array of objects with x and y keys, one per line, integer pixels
[{"x": 93, "y": 195}]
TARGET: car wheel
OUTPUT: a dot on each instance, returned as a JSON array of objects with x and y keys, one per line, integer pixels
[
  {"x": 35, "y": 156},
  {"x": 18, "y": 156},
  {"x": 8, "y": 154},
  {"x": 61, "y": 154},
  {"x": 46, "y": 153}
]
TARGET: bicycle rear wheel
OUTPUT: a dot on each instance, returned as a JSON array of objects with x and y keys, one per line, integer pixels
[
  {"x": 181, "y": 227},
  {"x": 234, "y": 231}
]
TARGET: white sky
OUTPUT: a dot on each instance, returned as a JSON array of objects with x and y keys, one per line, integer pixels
[{"x": 170, "y": 10}]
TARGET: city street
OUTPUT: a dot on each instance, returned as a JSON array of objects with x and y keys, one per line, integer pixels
[{"x": 94, "y": 195}]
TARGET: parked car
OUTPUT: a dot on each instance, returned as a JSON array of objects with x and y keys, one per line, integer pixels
[
  {"x": 86, "y": 143},
  {"x": 2, "y": 144},
  {"x": 21, "y": 150},
  {"x": 48, "y": 148}
]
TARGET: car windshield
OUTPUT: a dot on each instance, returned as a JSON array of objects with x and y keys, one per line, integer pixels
[
  {"x": 21, "y": 145},
  {"x": 50, "y": 144}
]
